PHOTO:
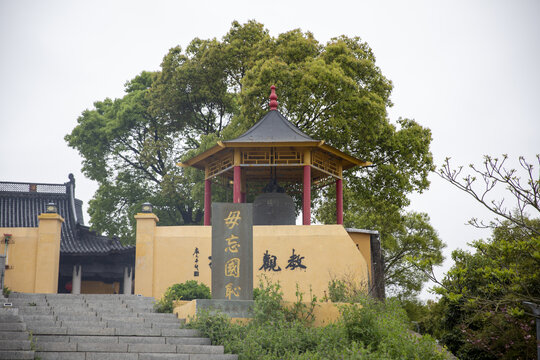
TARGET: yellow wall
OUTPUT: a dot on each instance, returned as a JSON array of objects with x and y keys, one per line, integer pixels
[
  {"x": 328, "y": 253},
  {"x": 98, "y": 287},
  {"x": 21, "y": 258},
  {"x": 363, "y": 243},
  {"x": 324, "y": 313},
  {"x": 34, "y": 256}
]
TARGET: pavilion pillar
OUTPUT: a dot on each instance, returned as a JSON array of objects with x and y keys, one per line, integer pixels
[
  {"x": 339, "y": 201},
  {"x": 207, "y": 201},
  {"x": 237, "y": 177},
  {"x": 306, "y": 203},
  {"x": 237, "y": 185},
  {"x": 243, "y": 187},
  {"x": 76, "y": 280}
]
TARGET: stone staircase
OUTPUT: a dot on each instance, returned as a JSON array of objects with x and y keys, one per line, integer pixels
[
  {"x": 14, "y": 339},
  {"x": 99, "y": 327}
]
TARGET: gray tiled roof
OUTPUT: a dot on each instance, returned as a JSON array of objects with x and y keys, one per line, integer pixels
[
  {"x": 273, "y": 127},
  {"x": 21, "y": 203}
]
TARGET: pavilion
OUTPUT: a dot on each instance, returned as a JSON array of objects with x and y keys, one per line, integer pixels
[{"x": 274, "y": 148}]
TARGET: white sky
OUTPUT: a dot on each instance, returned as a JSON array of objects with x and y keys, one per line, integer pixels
[{"x": 468, "y": 70}]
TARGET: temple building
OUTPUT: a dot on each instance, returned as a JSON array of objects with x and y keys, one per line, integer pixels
[{"x": 48, "y": 248}]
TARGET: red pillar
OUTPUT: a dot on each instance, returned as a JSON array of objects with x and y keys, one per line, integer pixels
[
  {"x": 306, "y": 208},
  {"x": 339, "y": 201},
  {"x": 237, "y": 185},
  {"x": 207, "y": 201}
]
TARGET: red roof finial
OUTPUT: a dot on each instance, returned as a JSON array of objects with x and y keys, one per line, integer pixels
[{"x": 273, "y": 98}]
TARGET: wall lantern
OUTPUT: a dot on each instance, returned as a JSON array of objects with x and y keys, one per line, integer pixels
[
  {"x": 147, "y": 208},
  {"x": 51, "y": 208}
]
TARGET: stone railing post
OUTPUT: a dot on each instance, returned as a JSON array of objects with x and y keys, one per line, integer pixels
[{"x": 144, "y": 253}]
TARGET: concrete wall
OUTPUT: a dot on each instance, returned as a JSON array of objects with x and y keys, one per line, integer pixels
[
  {"x": 33, "y": 256},
  {"x": 165, "y": 256}
]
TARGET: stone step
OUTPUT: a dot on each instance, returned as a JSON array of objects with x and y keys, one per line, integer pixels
[
  {"x": 75, "y": 317},
  {"x": 30, "y": 309},
  {"x": 91, "y": 331},
  {"x": 66, "y": 302},
  {"x": 165, "y": 325},
  {"x": 136, "y": 304},
  {"x": 158, "y": 316},
  {"x": 109, "y": 304},
  {"x": 13, "y": 335},
  {"x": 16, "y": 295},
  {"x": 56, "y": 346},
  {"x": 34, "y": 311},
  {"x": 142, "y": 339},
  {"x": 22, "y": 302},
  {"x": 48, "y": 330},
  {"x": 138, "y": 299},
  {"x": 124, "y": 312},
  {"x": 13, "y": 326},
  {"x": 53, "y": 355},
  {"x": 141, "y": 308},
  {"x": 189, "y": 337},
  {"x": 8, "y": 310},
  {"x": 72, "y": 309},
  {"x": 128, "y": 317},
  {"x": 177, "y": 332},
  {"x": 129, "y": 302},
  {"x": 15, "y": 344},
  {"x": 78, "y": 323},
  {"x": 199, "y": 349},
  {"x": 128, "y": 323},
  {"x": 41, "y": 323},
  {"x": 16, "y": 354},
  {"x": 31, "y": 318},
  {"x": 130, "y": 356},
  {"x": 10, "y": 318},
  {"x": 151, "y": 348},
  {"x": 187, "y": 341},
  {"x": 81, "y": 313},
  {"x": 128, "y": 347},
  {"x": 138, "y": 331}
]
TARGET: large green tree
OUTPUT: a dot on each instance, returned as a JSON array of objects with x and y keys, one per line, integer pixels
[
  {"x": 132, "y": 154},
  {"x": 217, "y": 89},
  {"x": 481, "y": 314}
]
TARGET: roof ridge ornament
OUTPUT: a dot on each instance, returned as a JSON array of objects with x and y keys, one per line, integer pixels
[{"x": 273, "y": 98}]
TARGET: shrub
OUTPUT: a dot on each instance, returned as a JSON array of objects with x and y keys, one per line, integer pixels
[
  {"x": 346, "y": 289},
  {"x": 372, "y": 331},
  {"x": 190, "y": 290}
]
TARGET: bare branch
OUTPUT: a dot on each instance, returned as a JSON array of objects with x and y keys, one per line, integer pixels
[{"x": 494, "y": 173}]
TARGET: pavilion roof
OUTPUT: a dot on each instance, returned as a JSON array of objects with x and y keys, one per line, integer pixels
[
  {"x": 274, "y": 131},
  {"x": 273, "y": 127}
]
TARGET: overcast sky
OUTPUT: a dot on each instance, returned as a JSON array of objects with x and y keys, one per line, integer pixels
[{"x": 468, "y": 70}]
